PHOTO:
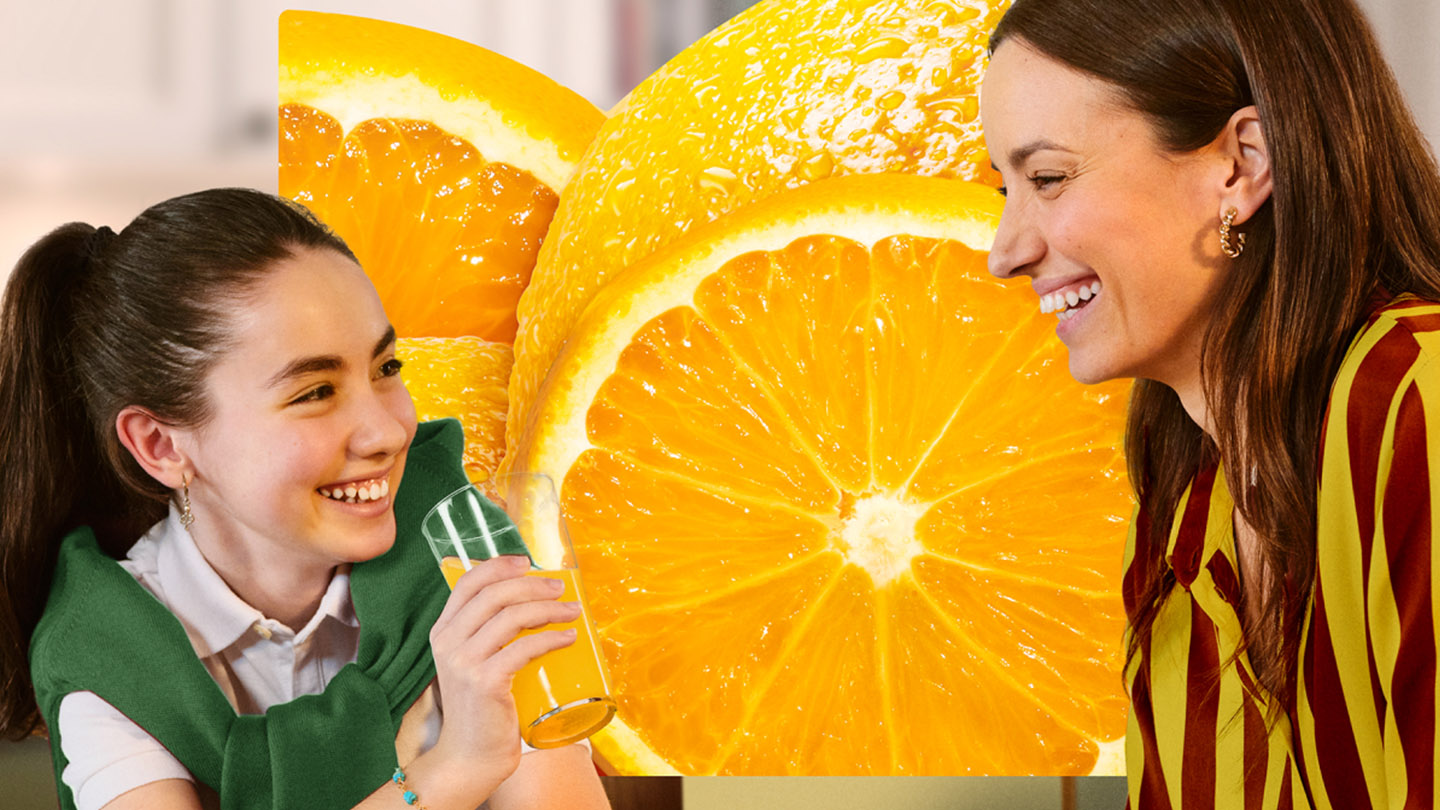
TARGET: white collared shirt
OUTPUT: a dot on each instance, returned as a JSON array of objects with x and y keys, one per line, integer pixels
[{"x": 256, "y": 661}]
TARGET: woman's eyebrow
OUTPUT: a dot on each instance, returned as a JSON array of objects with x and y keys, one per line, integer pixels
[{"x": 1019, "y": 154}]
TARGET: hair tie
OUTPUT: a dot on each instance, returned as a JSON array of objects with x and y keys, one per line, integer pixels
[{"x": 99, "y": 240}]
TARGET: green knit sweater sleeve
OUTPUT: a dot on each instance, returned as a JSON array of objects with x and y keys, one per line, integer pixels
[{"x": 103, "y": 632}]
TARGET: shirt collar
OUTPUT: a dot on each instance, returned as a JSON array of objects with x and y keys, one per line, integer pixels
[{"x": 215, "y": 616}]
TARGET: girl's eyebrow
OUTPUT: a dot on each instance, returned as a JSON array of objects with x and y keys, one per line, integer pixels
[
  {"x": 384, "y": 342},
  {"x": 301, "y": 366}
]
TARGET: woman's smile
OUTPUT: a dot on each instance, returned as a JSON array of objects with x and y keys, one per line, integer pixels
[{"x": 1109, "y": 226}]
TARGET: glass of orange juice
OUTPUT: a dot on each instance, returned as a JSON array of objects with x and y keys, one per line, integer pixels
[{"x": 564, "y": 695}]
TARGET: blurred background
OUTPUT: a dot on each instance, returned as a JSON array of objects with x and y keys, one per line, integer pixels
[{"x": 107, "y": 106}]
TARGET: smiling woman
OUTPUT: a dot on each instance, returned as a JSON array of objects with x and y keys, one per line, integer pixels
[
  {"x": 1242, "y": 192},
  {"x": 214, "y": 480}
]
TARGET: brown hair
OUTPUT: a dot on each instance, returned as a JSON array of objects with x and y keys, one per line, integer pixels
[
  {"x": 93, "y": 322},
  {"x": 1355, "y": 211}
]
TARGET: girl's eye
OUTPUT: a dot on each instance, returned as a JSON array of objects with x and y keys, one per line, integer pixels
[
  {"x": 391, "y": 367},
  {"x": 316, "y": 394}
]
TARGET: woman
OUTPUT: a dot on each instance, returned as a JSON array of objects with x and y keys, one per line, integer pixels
[
  {"x": 1228, "y": 201},
  {"x": 222, "y": 372}
]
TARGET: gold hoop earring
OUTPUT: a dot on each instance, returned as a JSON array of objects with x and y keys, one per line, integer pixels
[
  {"x": 1225, "y": 223},
  {"x": 186, "y": 516}
]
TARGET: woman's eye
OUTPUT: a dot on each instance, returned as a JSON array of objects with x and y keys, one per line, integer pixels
[
  {"x": 316, "y": 394},
  {"x": 1043, "y": 181},
  {"x": 1004, "y": 192},
  {"x": 391, "y": 367}
]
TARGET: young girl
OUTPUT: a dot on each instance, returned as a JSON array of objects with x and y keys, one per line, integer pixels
[
  {"x": 211, "y": 558},
  {"x": 1241, "y": 191}
]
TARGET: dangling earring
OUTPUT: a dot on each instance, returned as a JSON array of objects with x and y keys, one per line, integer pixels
[
  {"x": 186, "y": 516},
  {"x": 1225, "y": 223}
]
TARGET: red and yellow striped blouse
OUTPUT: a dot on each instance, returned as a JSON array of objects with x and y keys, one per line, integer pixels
[{"x": 1362, "y": 732}]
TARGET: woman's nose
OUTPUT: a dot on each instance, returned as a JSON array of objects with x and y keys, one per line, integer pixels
[{"x": 1018, "y": 244}]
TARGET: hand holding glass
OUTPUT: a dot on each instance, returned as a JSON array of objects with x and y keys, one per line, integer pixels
[{"x": 563, "y": 695}]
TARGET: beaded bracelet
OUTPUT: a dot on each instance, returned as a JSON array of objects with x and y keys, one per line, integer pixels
[{"x": 408, "y": 795}]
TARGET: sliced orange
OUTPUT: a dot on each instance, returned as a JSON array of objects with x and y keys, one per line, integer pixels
[
  {"x": 437, "y": 161},
  {"x": 462, "y": 378},
  {"x": 839, "y": 505},
  {"x": 789, "y": 92}
]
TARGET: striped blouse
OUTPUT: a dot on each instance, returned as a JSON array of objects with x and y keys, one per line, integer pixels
[{"x": 1362, "y": 731}]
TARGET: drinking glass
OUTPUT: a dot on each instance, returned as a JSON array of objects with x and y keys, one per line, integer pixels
[{"x": 564, "y": 695}]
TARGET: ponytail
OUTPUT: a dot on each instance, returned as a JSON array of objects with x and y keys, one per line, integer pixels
[
  {"x": 93, "y": 322},
  {"x": 48, "y": 450}
]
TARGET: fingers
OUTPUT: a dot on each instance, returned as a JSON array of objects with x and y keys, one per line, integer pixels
[
  {"x": 480, "y": 576},
  {"x": 523, "y": 650},
  {"x": 495, "y": 598},
  {"x": 492, "y": 656},
  {"x": 508, "y": 624}
]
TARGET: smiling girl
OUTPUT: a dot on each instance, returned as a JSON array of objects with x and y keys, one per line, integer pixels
[
  {"x": 1229, "y": 201},
  {"x": 213, "y": 480}
]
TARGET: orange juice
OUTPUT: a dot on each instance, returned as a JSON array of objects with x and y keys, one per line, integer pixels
[{"x": 564, "y": 695}]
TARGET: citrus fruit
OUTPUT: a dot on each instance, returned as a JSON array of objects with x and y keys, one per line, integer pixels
[
  {"x": 437, "y": 161},
  {"x": 462, "y": 378},
  {"x": 839, "y": 505},
  {"x": 788, "y": 92}
]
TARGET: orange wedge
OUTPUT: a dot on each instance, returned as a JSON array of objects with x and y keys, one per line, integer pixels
[
  {"x": 462, "y": 378},
  {"x": 839, "y": 505},
  {"x": 789, "y": 92},
  {"x": 437, "y": 161}
]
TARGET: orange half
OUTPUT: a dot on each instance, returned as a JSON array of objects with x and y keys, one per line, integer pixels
[
  {"x": 436, "y": 160},
  {"x": 825, "y": 476}
]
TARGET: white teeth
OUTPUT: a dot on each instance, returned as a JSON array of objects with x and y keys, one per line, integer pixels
[
  {"x": 1060, "y": 303},
  {"x": 362, "y": 492}
]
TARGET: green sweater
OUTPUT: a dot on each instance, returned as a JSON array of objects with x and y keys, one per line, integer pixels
[{"x": 103, "y": 632}]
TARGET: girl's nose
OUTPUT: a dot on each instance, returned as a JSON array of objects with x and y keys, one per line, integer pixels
[{"x": 383, "y": 425}]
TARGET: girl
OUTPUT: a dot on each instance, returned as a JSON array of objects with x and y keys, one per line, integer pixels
[
  {"x": 211, "y": 398},
  {"x": 1240, "y": 186}
]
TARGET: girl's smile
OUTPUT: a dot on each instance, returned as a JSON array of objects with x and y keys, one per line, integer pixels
[{"x": 295, "y": 468}]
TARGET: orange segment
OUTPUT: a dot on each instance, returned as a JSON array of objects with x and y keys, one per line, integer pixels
[
  {"x": 437, "y": 161},
  {"x": 461, "y": 378},
  {"x": 448, "y": 239},
  {"x": 789, "y": 92},
  {"x": 825, "y": 475}
]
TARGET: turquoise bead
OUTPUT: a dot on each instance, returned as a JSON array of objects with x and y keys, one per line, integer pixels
[{"x": 410, "y": 797}]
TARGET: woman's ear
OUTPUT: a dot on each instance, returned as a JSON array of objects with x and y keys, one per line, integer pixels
[
  {"x": 153, "y": 444},
  {"x": 1249, "y": 183}
]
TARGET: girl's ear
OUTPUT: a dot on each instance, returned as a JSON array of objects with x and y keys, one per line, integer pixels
[
  {"x": 154, "y": 446},
  {"x": 1249, "y": 183}
]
